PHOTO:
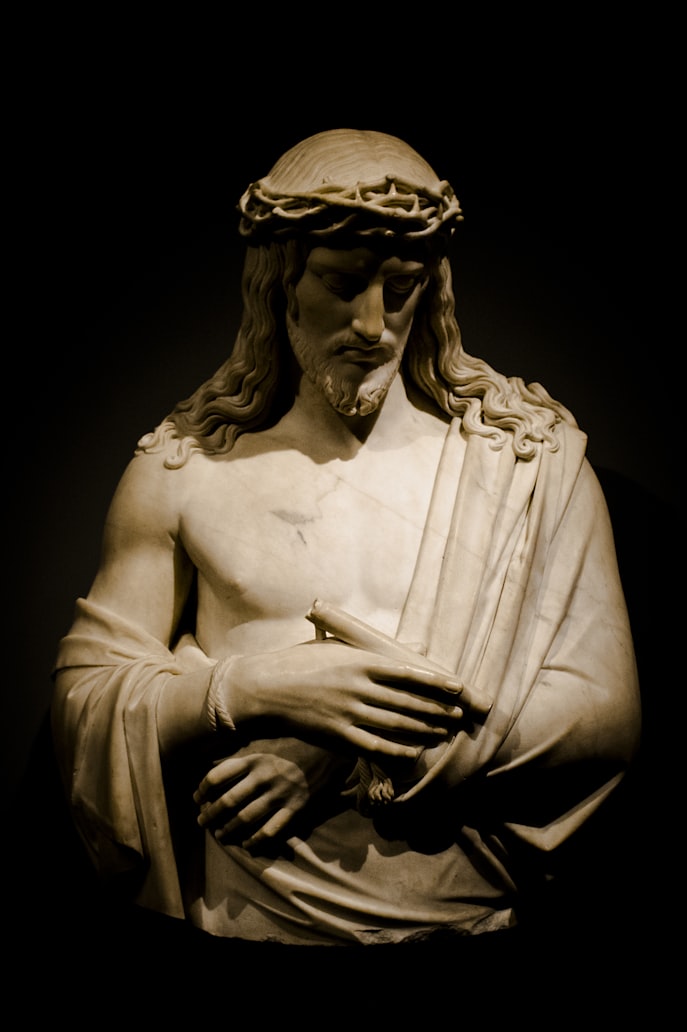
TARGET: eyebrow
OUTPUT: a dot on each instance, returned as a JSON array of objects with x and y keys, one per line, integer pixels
[{"x": 355, "y": 267}]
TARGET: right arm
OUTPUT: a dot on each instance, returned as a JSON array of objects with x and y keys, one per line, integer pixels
[{"x": 143, "y": 580}]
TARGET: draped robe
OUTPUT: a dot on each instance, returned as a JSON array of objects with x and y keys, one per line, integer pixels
[{"x": 523, "y": 601}]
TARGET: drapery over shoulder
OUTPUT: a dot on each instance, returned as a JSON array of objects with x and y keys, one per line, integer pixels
[{"x": 525, "y": 602}]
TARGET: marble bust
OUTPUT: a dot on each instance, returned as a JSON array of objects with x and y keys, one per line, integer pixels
[{"x": 358, "y": 621}]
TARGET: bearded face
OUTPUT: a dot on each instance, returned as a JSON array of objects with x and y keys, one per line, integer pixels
[
  {"x": 353, "y": 381},
  {"x": 349, "y": 322}
]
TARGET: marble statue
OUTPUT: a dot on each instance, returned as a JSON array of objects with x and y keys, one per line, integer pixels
[{"x": 356, "y": 662}]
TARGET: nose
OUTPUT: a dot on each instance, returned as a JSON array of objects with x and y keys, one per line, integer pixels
[{"x": 368, "y": 319}]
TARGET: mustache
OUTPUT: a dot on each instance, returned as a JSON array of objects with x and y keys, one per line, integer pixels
[{"x": 351, "y": 343}]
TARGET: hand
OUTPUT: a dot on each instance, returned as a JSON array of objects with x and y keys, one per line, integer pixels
[
  {"x": 329, "y": 690},
  {"x": 253, "y": 796}
]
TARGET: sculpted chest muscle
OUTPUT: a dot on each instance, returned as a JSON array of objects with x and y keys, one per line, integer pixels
[{"x": 271, "y": 531}]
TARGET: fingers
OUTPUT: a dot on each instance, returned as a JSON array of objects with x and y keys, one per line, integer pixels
[
  {"x": 404, "y": 700},
  {"x": 232, "y": 815},
  {"x": 446, "y": 687},
  {"x": 246, "y": 800},
  {"x": 374, "y": 743},
  {"x": 226, "y": 771},
  {"x": 395, "y": 723},
  {"x": 237, "y": 829},
  {"x": 254, "y": 823},
  {"x": 271, "y": 829},
  {"x": 231, "y": 801},
  {"x": 426, "y": 726},
  {"x": 420, "y": 676}
]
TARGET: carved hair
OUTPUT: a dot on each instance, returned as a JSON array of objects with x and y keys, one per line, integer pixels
[
  {"x": 490, "y": 404},
  {"x": 251, "y": 390},
  {"x": 245, "y": 392}
]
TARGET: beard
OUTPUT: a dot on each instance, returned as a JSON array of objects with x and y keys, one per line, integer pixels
[{"x": 350, "y": 394}]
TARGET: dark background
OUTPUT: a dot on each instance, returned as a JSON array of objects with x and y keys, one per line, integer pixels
[{"x": 129, "y": 162}]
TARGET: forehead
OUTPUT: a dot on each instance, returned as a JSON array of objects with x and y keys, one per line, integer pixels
[{"x": 365, "y": 258}]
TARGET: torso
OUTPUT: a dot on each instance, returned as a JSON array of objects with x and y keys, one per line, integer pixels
[
  {"x": 279, "y": 522},
  {"x": 284, "y": 518}
]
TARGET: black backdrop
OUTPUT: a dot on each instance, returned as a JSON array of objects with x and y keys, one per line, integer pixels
[{"x": 127, "y": 262}]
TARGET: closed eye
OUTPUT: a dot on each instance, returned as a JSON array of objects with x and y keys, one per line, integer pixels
[
  {"x": 402, "y": 284},
  {"x": 343, "y": 284}
]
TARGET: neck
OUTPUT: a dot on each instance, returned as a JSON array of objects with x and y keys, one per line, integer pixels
[{"x": 314, "y": 419}]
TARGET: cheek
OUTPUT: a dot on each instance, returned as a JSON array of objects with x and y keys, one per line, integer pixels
[
  {"x": 401, "y": 321},
  {"x": 310, "y": 307}
]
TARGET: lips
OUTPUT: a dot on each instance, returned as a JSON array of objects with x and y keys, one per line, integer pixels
[{"x": 375, "y": 355}]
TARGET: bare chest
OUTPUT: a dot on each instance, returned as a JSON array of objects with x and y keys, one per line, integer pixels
[{"x": 270, "y": 533}]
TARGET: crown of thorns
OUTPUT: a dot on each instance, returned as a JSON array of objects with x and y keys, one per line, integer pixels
[{"x": 386, "y": 207}]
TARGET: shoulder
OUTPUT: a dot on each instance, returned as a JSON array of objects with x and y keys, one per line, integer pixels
[{"x": 152, "y": 492}]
